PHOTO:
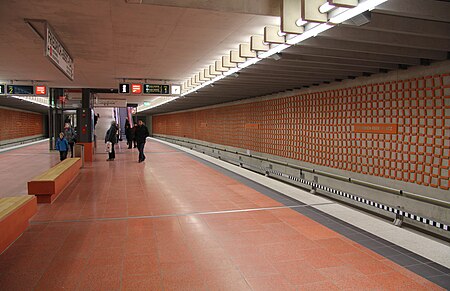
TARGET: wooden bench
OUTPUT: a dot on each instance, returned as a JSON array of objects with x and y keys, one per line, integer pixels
[
  {"x": 14, "y": 215},
  {"x": 48, "y": 185}
]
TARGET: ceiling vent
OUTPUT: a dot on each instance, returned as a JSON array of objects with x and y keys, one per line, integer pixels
[{"x": 359, "y": 20}]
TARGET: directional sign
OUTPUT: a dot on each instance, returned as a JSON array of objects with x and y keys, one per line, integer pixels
[
  {"x": 41, "y": 90},
  {"x": 124, "y": 88},
  {"x": 57, "y": 53},
  {"x": 2, "y": 89},
  {"x": 19, "y": 89},
  {"x": 176, "y": 89},
  {"x": 156, "y": 89},
  {"x": 136, "y": 88}
]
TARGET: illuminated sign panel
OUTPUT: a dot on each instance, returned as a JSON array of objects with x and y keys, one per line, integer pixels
[
  {"x": 19, "y": 90},
  {"x": 136, "y": 88},
  {"x": 124, "y": 88},
  {"x": 57, "y": 53},
  {"x": 156, "y": 89},
  {"x": 176, "y": 89},
  {"x": 41, "y": 90},
  {"x": 2, "y": 89}
]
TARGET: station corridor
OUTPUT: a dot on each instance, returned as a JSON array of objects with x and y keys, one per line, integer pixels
[{"x": 175, "y": 222}]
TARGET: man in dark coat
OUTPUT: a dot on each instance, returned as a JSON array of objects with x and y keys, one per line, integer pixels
[
  {"x": 141, "y": 134},
  {"x": 111, "y": 136},
  {"x": 129, "y": 135}
]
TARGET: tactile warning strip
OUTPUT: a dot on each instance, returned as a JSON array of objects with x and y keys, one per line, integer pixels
[{"x": 360, "y": 199}]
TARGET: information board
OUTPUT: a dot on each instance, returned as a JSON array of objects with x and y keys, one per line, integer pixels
[
  {"x": 20, "y": 89},
  {"x": 57, "y": 53},
  {"x": 40, "y": 90},
  {"x": 136, "y": 88},
  {"x": 124, "y": 88},
  {"x": 156, "y": 89},
  {"x": 2, "y": 89}
]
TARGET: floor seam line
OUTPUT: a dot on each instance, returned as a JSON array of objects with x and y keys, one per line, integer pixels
[{"x": 178, "y": 214}]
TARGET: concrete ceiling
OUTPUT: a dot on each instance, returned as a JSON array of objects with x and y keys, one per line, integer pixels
[
  {"x": 400, "y": 34},
  {"x": 110, "y": 40}
]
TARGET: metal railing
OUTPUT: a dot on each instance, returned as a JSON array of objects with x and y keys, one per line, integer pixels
[{"x": 399, "y": 192}]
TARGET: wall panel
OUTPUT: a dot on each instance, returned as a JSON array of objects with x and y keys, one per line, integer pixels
[{"x": 319, "y": 128}]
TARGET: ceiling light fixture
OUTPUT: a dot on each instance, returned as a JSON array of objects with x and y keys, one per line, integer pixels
[
  {"x": 337, "y": 15},
  {"x": 340, "y": 16},
  {"x": 324, "y": 8}
]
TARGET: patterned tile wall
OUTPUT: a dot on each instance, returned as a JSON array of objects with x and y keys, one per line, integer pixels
[
  {"x": 318, "y": 128},
  {"x": 16, "y": 124}
]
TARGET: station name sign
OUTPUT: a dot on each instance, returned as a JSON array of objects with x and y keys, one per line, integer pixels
[
  {"x": 57, "y": 53},
  {"x": 148, "y": 89}
]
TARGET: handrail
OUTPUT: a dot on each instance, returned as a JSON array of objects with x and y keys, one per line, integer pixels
[{"x": 394, "y": 191}]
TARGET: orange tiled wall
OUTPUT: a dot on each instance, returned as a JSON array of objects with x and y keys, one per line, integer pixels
[
  {"x": 318, "y": 128},
  {"x": 17, "y": 124}
]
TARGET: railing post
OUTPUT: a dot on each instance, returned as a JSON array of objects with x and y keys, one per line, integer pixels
[{"x": 314, "y": 187}]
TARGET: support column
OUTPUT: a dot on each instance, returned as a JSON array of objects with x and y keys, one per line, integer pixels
[
  {"x": 85, "y": 119},
  {"x": 54, "y": 127}
]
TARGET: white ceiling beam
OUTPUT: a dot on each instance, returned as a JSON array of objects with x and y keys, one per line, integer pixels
[
  {"x": 310, "y": 11},
  {"x": 291, "y": 14},
  {"x": 226, "y": 62},
  {"x": 219, "y": 67},
  {"x": 208, "y": 74},
  {"x": 213, "y": 71},
  {"x": 236, "y": 58},
  {"x": 245, "y": 51},
  {"x": 257, "y": 43},
  {"x": 271, "y": 35}
]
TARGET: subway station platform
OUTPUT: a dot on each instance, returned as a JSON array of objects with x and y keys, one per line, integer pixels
[{"x": 179, "y": 222}]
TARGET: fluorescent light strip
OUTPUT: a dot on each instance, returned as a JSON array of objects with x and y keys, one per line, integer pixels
[
  {"x": 309, "y": 33},
  {"x": 273, "y": 51},
  {"x": 43, "y": 101},
  {"x": 337, "y": 16}
]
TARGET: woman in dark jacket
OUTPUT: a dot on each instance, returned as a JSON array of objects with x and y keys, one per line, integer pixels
[{"x": 111, "y": 136}]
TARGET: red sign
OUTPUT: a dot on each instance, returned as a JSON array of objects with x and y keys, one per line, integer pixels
[
  {"x": 375, "y": 128},
  {"x": 41, "y": 90},
  {"x": 136, "y": 88}
]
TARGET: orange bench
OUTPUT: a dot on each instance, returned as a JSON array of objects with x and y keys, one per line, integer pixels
[
  {"x": 48, "y": 185},
  {"x": 14, "y": 215}
]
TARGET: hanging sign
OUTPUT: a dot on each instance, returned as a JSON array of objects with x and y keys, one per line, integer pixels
[
  {"x": 110, "y": 103},
  {"x": 57, "y": 54},
  {"x": 124, "y": 88},
  {"x": 19, "y": 90},
  {"x": 136, "y": 88},
  {"x": 156, "y": 89},
  {"x": 2, "y": 89},
  {"x": 40, "y": 90}
]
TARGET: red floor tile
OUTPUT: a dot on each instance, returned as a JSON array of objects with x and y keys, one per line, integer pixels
[{"x": 276, "y": 249}]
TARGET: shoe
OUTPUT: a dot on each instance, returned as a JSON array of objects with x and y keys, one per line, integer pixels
[
  {"x": 108, "y": 160},
  {"x": 140, "y": 161}
]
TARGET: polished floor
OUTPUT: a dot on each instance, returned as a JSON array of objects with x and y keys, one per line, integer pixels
[
  {"x": 175, "y": 223},
  {"x": 19, "y": 166}
]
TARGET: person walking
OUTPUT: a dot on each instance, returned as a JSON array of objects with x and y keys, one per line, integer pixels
[
  {"x": 111, "y": 136},
  {"x": 141, "y": 134},
  {"x": 71, "y": 136},
  {"x": 129, "y": 135},
  {"x": 134, "y": 135},
  {"x": 62, "y": 146}
]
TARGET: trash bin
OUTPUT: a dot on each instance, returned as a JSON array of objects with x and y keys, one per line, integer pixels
[{"x": 79, "y": 152}]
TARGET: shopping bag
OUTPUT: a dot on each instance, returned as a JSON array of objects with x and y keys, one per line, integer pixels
[{"x": 108, "y": 147}]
